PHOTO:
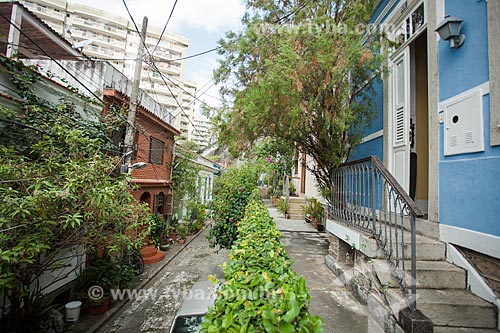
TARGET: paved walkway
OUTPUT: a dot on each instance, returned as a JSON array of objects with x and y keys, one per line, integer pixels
[
  {"x": 340, "y": 311},
  {"x": 170, "y": 280}
]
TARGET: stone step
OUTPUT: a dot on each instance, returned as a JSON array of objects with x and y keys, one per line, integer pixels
[
  {"x": 427, "y": 249},
  {"x": 148, "y": 251},
  {"x": 155, "y": 258},
  {"x": 298, "y": 200},
  {"x": 296, "y": 217},
  {"x": 296, "y": 211},
  {"x": 430, "y": 275},
  {"x": 449, "y": 307},
  {"x": 448, "y": 329}
]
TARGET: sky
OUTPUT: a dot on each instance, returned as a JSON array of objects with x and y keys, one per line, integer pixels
[{"x": 204, "y": 22}]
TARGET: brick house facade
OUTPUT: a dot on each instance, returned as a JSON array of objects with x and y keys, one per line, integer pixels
[{"x": 154, "y": 145}]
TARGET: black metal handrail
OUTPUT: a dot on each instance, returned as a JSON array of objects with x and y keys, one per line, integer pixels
[{"x": 366, "y": 196}]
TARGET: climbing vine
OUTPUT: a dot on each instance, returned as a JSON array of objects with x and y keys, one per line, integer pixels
[{"x": 58, "y": 189}]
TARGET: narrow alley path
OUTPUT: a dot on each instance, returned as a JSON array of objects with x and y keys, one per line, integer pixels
[
  {"x": 340, "y": 311},
  {"x": 329, "y": 298},
  {"x": 167, "y": 290}
]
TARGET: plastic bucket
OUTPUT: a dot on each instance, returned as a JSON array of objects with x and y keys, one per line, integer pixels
[{"x": 73, "y": 310}]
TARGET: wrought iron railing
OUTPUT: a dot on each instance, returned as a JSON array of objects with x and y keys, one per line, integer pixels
[{"x": 366, "y": 196}]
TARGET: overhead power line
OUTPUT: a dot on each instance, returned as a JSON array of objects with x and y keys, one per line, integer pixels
[
  {"x": 165, "y": 26},
  {"x": 153, "y": 65},
  {"x": 148, "y": 136}
]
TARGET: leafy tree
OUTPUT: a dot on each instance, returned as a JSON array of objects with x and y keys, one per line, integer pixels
[
  {"x": 232, "y": 191},
  {"x": 302, "y": 72},
  {"x": 185, "y": 176}
]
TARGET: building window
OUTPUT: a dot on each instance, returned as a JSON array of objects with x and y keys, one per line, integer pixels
[
  {"x": 158, "y": 203},
  {"x": 156, "y": 148}
]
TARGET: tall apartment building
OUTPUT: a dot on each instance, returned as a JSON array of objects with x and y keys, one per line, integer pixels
[
  {"x": 103, "y": 35},
  {"x": 200, "y": 131}
]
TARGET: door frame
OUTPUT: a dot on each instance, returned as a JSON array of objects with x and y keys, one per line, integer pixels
[{"x": 434, "y": 12}]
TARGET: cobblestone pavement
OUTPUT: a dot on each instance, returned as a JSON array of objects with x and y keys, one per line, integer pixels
[{"x": 155, "y": 309}]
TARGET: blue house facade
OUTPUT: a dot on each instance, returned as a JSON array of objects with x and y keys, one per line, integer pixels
[{"x": 437, "y": 128}]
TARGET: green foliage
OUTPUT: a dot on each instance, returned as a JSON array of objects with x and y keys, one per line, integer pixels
[
  {"x": 276, "y": 158},
  {"x": 283, "y": 205},
  {"x": 231, "y": 194},
  {"x": 261, "y": 292},
  {"x": 156, "y": 230},
  {"x": 314, "y": 208},
  {"x": 184, "y": 179},
  {"x": 105, "y": 272},
  {"x": 304, "y": 81},
  {"x": 182, "y": 231},
  {"x": 58, "y": 190}
]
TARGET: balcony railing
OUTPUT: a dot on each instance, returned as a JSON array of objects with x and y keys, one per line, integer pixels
[{"x": 366, "y": 196}]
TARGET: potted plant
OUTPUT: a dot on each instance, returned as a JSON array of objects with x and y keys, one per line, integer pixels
[
  {"x": 293, "y": 190},
  {"x": 313, "y": 211},
  {"x": 156, "y": 230},
  {"x": 94, "y": 284},
  {"x": 182, "y": 231},
  {"x": 283, "y": 206},
  {"x": 270, "y": 192},
  {"x": 172, "y": 223}
]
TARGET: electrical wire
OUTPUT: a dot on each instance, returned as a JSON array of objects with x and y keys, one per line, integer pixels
[
  {"x": 165, "y": 26},
  {"x": 70, "y": 74},
  {"x": 153, "y": 65}
]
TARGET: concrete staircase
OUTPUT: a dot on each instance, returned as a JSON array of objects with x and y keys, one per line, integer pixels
[
  {"x": 442, "y": 293},
  {"x": 150, "y": 254},
  {"x": 295, "y": 210}
]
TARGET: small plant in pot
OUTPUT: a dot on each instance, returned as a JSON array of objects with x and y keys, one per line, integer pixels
[
  {"x": 293, "y": 190},
  {"x": 172, "y": 224},
  {"x": 156, "y": 230},
  {"x": 313, "y": 211},
  {"x": 94, "y": 284},
  {"x": 182, "y": 231},
  {"x": 283, "y": 206}
]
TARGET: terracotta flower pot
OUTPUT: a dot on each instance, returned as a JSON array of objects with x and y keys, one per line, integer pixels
[
  {"x": 181, "y": 241},
  {"x": 99, "y": 309}
]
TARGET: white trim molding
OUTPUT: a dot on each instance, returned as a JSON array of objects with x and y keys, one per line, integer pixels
[
  {"x": 372, "y": 136},
  {"x": 475, "y": 282},
  {"x": 484, "y": 88},
  {"x": 474, "y": 240}
]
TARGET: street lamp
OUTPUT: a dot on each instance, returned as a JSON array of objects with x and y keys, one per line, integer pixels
[
  {"x": 126, "y": 168},
  {"x": 449, "y": 29}
]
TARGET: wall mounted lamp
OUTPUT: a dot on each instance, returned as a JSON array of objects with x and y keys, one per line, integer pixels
[
  {"x": 136, "y": 166},
  {"x": 449, "y": 29}
]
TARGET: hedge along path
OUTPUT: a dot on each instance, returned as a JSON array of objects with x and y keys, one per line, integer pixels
[{"x": 261, "y": 292}]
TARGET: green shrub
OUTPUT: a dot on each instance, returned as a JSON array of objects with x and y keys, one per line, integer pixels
[
  {"x": 232, "y": 192},
  {"x": 261, "y": 292}
]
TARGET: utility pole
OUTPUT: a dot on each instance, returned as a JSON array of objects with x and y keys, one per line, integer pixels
[{"x": 134, "y": 94}]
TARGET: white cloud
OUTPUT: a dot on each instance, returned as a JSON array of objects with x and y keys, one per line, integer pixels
[{"x": 210, "y": 15}]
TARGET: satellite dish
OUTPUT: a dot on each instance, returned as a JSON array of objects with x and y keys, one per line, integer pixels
[{"x": 82, "y": 44}]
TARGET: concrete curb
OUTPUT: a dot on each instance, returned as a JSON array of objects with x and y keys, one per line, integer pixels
[
  {"x": 380, "y": 312},
  {"x": 113, "y": 311}
]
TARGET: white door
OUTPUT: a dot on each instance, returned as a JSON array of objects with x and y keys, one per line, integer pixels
[{"x": 400, "y": 113}]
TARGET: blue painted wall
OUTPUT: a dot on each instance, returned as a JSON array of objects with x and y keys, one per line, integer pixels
[
  {"x": 372, "y": 147},
  {"x": 376, "y": 146},
  {"x": 465, "y": 67},
  {"x": 469, "y": 184}
]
